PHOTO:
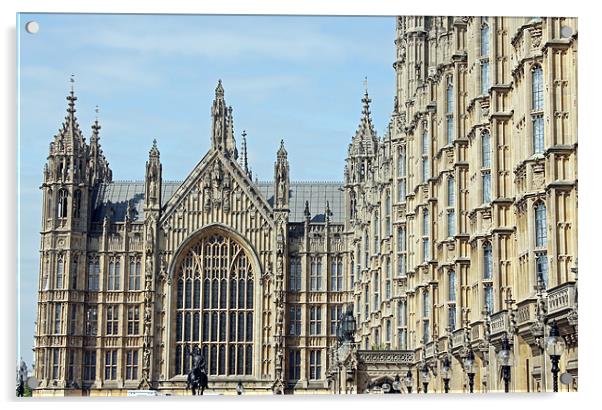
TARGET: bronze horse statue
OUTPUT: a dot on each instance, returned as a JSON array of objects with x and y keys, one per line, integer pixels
[{"x": 197, "y": 378}]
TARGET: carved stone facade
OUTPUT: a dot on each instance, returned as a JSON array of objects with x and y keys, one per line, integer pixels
[
  {"x": 469, "y": 199},
  {"x": 458, "y": 226}
]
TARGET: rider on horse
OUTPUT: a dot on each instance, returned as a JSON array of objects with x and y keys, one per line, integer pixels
[{"x": 197, "y": 378}]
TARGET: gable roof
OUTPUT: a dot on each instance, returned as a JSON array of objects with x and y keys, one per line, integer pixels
[{"x": 114, "y": 198}]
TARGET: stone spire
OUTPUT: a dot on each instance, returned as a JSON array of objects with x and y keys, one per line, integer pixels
[
  {"x": 222, "y": 129},
  {"x": 99, "y": 167},
  {"x": 153, "y": 179},
  {"x": 281, "y": 178},
  {"x": 243, "y": 155}
]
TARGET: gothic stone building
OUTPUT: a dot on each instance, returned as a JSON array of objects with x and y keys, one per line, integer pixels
[{"x": 456, "y": 227}]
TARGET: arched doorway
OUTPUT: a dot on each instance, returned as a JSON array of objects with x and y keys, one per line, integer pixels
[{"x": 214, "y": 298}]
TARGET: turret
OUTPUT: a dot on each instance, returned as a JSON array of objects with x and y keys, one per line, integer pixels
[
  {"x": 222, "y": 128},
  {"x": 152, "y": 179},
  {"x": 281, "y": 179}
]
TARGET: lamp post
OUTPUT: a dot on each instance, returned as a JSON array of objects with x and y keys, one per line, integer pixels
[
  {"x": 240, "y": 388},
  {"x": 554, "y": 345},
  {"x": 446, "y": 372},
  {"x": 408, "y": 381},
  {"x": 348, "y": 326},
  {"x": 505, "y": 358},
  {"x": 469, "y": 366},
  {"x": 424, "y": 374},
  {"x": 397, "y": 384}
]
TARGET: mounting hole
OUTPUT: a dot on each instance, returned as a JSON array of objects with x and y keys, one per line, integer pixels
[{"x": 32, "y": 27}]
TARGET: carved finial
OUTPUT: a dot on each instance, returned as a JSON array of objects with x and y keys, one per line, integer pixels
[
  {"x": 282, "y": 151},
  {"x": 306, "y": 210},
  {"x": 327, "y": 212},
  {"x": 219, "y": 90},
  {"x": 154, "y": 151}
]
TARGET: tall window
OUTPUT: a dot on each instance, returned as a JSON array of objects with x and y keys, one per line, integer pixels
[
  {"x": 114, "y": 278},
  {"x": 487, "y": 261},
  {"x": 89, "y": 365},
  {"x": 56, "y": 361},
  {"x": 131, "y": 364},
  {"x": 425, "y": 232},
  {"x": 388, "y": 278},
  {"x": 451, "y": 317},
  {"x": 452, "y": 286},
  {"x": 315, "y": 320},
  {"x": 77, "y": 203},
  {"x": 112, "y": 320},
  {"x": 73, "y": 319},
  {"x": 486, "y": 175},
  {"x": 366, "y": 250},
  {"x": 538, "y": 136},
  {"x": 485, "y": 150},
  {"x": 401, "y": 251},
  {"x": 541, "y": 243},
  {"x": 486, "y": 165},
  {"x": 133, "y": 320},
  {"x": 58, "y": 318},
  {"x": 488, "y": 298},
  {"x": 134, "y": 274},
  {"x": 451, "y": 203},
  {"x": 541, "y": 267},
  {"x": 295, "y": 274},
  {"x": 450, "y": 111},
  {"x": 215, "y": 302},
  {"x": 74, "y": 269},
  {"x": 401, "y": 174},
  {"x": 315, "y": 364},
  {"x": 376, "y": 291},
  {"x": 93, "y": 273},
  {"x": 315, "y": 278},
  {"x": 91, "y": 321},
  {"x": 537, "y": 89},
  {"x": 61, "y": 208},
  {"x": 388, "y": 331},
  {"x": 537, "y": 109},
  {"x": 294, "y": 364},
  {"x": 425, "y": 316},
  {"x": 335, "y": 316},
  {"x": 541, "y": 237},
  {"x": 388, "y": 214},
  {"x": 111, "y": 365},
  {"x": 366, "y": 303},
  {"x": 376, "y": 232},
  {"x": 484, "y": 57},
  {"x": 336, "y": 274},
  {"x": 451, "y": 297},
  {"x": 60, "y": 272},
  {"x": 425, "y": 160},
  {"x": 295, "y": 320}
]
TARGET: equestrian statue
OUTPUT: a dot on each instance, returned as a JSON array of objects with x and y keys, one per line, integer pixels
[{"x": 197, "y": 378}]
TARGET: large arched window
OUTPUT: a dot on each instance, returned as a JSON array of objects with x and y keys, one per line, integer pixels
[{"x": 215, "y": 285}]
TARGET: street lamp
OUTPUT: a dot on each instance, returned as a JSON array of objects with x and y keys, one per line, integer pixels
[
  {"x": 408, "y": 381},
  {"x": 348, "y": 326},
  {"x": 469, "y": 366},
  {"x": 424, "y": 373},
  {"x": 397, "y": 384},
  {"x": 505, "y": 359},
  {"x": 240, "y": 388},
  {"x": 554, "y": 345},
  {"x": 446, "y": 372}
]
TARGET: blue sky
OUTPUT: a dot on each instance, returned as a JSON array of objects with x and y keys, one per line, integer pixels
[{"x": 295, "y": 78}]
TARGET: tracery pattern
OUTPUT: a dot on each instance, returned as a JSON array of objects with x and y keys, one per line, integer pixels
[{"x": 214, "y": 306}]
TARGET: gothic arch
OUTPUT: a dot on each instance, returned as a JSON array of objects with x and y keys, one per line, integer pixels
[{"x": 215, "y": 300}]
